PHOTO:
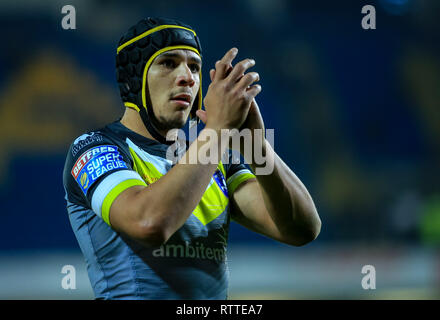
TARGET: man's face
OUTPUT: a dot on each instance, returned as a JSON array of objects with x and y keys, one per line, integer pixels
[{"x": 173, "y": 84}]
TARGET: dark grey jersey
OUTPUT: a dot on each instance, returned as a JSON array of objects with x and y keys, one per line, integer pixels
[{"x": 191, "y": 265}]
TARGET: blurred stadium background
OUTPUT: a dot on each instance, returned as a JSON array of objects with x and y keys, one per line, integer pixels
[{"x": 356, "y": 115}]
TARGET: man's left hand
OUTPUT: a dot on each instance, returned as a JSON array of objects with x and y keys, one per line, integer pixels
[{"x": 254, "y": 121}]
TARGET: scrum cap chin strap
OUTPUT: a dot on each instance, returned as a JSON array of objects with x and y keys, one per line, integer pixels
[{"x": 151, "y": 128}]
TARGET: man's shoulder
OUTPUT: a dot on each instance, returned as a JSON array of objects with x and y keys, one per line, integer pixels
[
  {"x": 102, "y": 136},
  {"x": 104, "y": 148},
  {"x": 87, "y": 139},
  {"x": 94, "y": 142}
]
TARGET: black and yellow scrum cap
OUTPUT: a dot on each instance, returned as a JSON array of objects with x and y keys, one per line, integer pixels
[{"x": 139, "y": 47}]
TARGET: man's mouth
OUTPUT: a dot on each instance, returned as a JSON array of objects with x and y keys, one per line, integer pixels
[{"x": 182, "y": 99}]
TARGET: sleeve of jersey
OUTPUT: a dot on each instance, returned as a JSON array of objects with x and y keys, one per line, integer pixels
[
  {"x": 102, "y": 172},
  {"x": 237, "y": 174}
]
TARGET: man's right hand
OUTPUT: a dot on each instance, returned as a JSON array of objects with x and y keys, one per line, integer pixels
[{"x": 230, "y": 93}]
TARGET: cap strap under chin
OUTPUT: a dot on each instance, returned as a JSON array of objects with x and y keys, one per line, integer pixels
[{"x": 148, "y": 124}]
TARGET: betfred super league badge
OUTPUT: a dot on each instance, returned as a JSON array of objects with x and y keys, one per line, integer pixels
[{"x": 95, "y": 162}]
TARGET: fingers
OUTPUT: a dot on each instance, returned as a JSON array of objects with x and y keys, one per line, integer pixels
[
  {"x": 202, "y": 115},
  {"x": 253, "y": 91},
  {"x": 212, "y": 72},
  {"x": 247, "y": 80},
  {"x": 236, "y": 76},
  {"x": 240, "y": 69},
  {"x": 222, "y": 66}
]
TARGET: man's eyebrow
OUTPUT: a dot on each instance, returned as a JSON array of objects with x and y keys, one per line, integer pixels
[{"x": 176, "y": 55}]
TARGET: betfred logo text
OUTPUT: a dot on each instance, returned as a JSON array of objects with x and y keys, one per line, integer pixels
[{"x": 88, "y": 155}]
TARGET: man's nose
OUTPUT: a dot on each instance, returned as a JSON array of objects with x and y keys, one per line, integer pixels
[{"x": 185, "y": 77}]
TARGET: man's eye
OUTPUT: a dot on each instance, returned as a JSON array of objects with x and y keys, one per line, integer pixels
[
  {"x": 194, "y": 68},
  {"x": 168, "y": 63}
]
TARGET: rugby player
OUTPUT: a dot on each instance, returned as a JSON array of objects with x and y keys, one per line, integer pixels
[{"x": 153, "y": 229}]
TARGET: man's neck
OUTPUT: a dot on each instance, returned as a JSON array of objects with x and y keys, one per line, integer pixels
[{"x": 132, "y": 120}]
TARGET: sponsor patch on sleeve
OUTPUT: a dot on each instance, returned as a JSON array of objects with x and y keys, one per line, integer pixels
[
  {"x": 94, "y": 163},
  {"x": 221, "y": 182},
  {"x": 84, "y": 140}
]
